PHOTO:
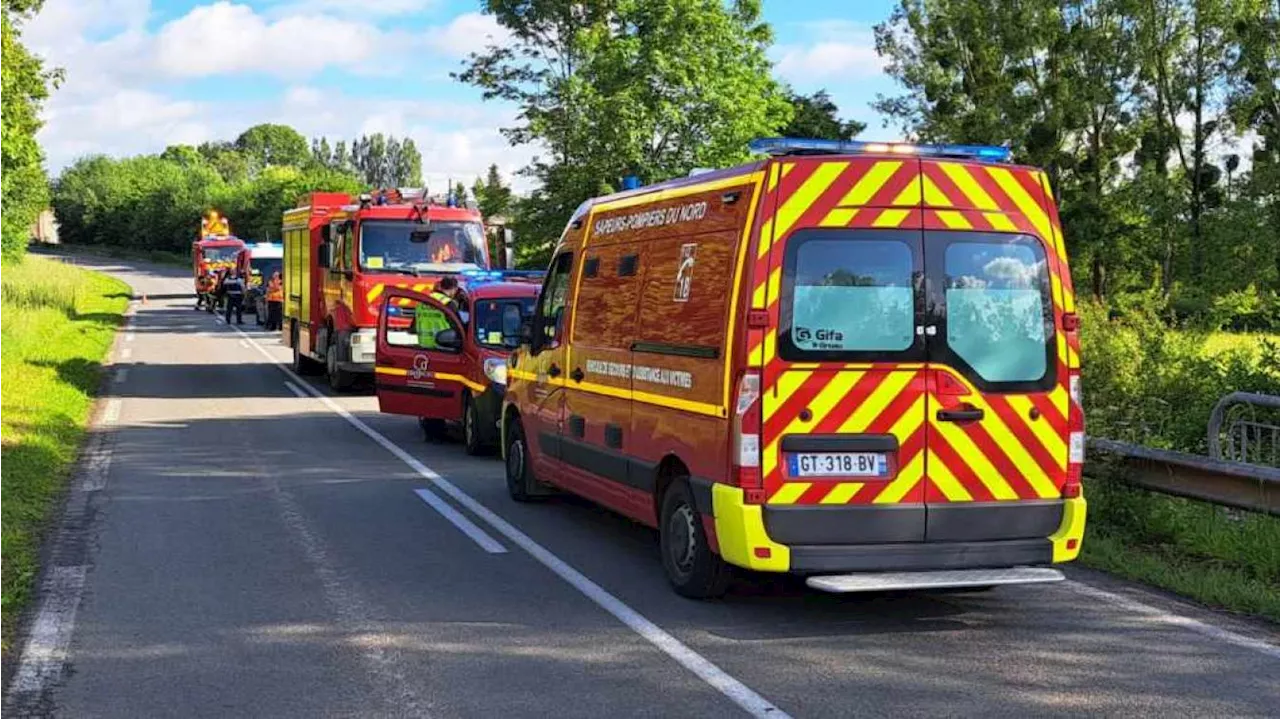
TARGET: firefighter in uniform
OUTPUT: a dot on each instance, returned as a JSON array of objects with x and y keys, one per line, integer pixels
[
  {"x": 275, "y": 302},
  {"x": 204, "y": 291}
]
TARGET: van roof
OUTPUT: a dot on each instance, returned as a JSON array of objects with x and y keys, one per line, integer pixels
[{"x": 696, "y": 179}]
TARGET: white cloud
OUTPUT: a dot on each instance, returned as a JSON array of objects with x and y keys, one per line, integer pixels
[
  {"x": 836, "y": 49},
  {"x": 467, "y": 33},
  {"x": 226, "y": 38},
  {"x": 347, "y": 8}
]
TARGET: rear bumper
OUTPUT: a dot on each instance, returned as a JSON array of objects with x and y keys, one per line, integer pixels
[{"x": 811, "y": 540}]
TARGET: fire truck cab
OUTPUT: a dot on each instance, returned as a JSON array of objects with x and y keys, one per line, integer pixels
[
  {"x": 341, "y": 254},
  {"x": 459, "y": 375},
  {"x": 213, "y": 253}
]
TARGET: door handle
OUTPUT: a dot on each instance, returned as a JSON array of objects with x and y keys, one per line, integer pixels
[
  {"x": 965, "y": 413},
  {"x": 576, "y": 375},
  {"x": 553, "y": 371}
]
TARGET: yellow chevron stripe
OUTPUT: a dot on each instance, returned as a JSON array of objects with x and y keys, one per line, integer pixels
[
  {"x": 804, "y": 196},
  {"x": 954, "y": 220},
  {"x": 1000, "y": 221},
  {"x": 842, "y": 493},
  {"x": 755, "y": 356},
  {"x": 1052, "y": 442},
  {"x": 1013, "y": 448},
  {"x": 1026, "y": 204},
  {"x": 974, "y": 458},
  {"x": 789, "y": 492},
  {"x": 821, "y": 406},
  {"x": 873, "y": 406},
  {"x": 933, "y": 196},
  {"x": 890, "y": 218},
  {"x": 770, "y": 346},
  {"x": 959, "y": 175},
  {"x": 766, "y": 238},
  {"x": 946, "y": 482},
  {"x": 787, "y": 168},
  {"x": 869, "y": 184},
  {"x": 766, "y": 292},
  {"x": 910, "y": 474},
  {"x": 839, "y": 217},
  {"x": 910, "y": 195},
  {"x": 375, "y": 292},
  {"x": 787, "y": 384},
  {"x": 421, "y": 287}
]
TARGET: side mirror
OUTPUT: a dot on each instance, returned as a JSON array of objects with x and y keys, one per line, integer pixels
[
  {"x": 322, "y": 255},
  {"x": 448, "y": 340}
]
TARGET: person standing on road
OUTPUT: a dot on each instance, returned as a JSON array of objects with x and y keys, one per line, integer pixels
[
  {"x": 275, "y": 302},
  {"x": 233, "y": 288}
]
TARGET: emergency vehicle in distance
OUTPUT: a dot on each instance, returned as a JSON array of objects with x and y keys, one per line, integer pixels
[
  {"x": 216, "y": 249},
  {"x": 265, "y": 258},
  {"x": 342, "y": 253},
  {"x": 856, "y": 362},
  {"x": 461, "y": 378}
]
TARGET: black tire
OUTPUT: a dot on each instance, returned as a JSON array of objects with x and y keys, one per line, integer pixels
[
  {"x": 473, "y": 437},
  {"x": 339, "y": 380},
  {"x": 302, "y": 364},
  {"x": 433, "y": 430},
  {"x": 521, "y": 484},
  {"x": 692, "y": 568}
]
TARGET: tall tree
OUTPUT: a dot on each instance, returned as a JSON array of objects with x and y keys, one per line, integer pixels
[
  {"x": 24, "y": 188},
  {"x": 269, "y": 144},
  {"x": 385, "y": 161},
  {"x": 492, "y": 195},
  {"x": 230, "y": 163},
  {"x": 616, "y": 88},
  {"x": 818, "y": 117}
]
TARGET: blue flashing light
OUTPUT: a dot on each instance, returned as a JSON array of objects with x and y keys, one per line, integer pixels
[
  {"x": 808, "y": 146},
  {"x": 477, "y": 276}
]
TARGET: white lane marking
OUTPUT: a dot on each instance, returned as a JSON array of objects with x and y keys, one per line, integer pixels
[
  {"x": 121, "y": 375},
  {"x": 97, "y": 463},
  {"x": 294, "y": 389},
  {"x": 112, "y": 413},
  {"x": 464, "y": 525},
  {"x": 244, "y": 344},
  {"x": 46, "y": 649},
  {"x": 217, "y": 319},
  {"x": 736, "y": 691},
  {"x": 1164, "y": 617},
  {"x": 126, "y": 353},
  {"x": 128, "y": 337}
]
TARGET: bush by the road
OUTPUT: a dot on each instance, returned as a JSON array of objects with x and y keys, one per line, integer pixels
[{"x": 57, "y": 322}]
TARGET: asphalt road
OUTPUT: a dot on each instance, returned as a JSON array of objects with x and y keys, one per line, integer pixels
[{"x": 240, "y": 547}]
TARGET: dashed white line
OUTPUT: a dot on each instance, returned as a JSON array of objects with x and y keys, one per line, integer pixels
[
  {"x": 294, "y": 389},
  {"x": 464, "y": 525},
  {"x": 112, "y": 413},
  {"x": 1164, "y": 617},
  {"x": 736, "y": 691},
  {"x": 128, "y": 337},
  {"x": 46, "y": 648},
  {"x": 244, "y": 344},
  {"x": 126, "y": 353}
]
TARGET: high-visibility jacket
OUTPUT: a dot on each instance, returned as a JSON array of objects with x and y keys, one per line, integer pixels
[
  {"x": 275, "y": 292},
  {"x": 428, "y": 321}
]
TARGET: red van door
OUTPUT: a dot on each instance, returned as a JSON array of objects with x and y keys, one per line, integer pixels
[{"x": 409, "y": 377}]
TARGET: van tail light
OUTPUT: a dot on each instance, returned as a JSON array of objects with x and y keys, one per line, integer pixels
[
  {"x": 1075, "y": 438},
  {"x": 745, "y": 442}
]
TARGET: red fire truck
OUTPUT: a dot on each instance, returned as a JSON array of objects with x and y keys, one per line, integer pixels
[
  {"x": 216, "y": 249},
  {"x": 342, "y": 253}
]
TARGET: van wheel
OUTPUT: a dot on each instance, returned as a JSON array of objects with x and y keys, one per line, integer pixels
[
  {"x": 692, "y": 568},
  {"x": 302, "y": 364},
  {"x": 433, "y": 430},
  {"x": 521, "y": 484},
  {"x": 339, "y": 380},
  {"x": 472, "y": 436}
]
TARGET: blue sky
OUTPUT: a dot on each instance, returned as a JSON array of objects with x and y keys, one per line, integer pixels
[{"x": 143, "y": 74}]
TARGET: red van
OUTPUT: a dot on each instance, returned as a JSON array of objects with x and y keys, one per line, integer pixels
[
  {"x": 856, "y": 362},
  {"x": 462, "y": 379}
]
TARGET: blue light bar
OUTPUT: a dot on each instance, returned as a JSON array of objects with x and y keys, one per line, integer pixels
[
  {"x": 807, "y": 146},
  {"x": 499, "y": 275}
]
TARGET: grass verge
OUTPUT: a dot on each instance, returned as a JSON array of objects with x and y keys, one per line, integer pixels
[
  {"x": 1213, "y": 555},
  {"x": 159, "y": 257},
  {"x": 57, "y": 322}
]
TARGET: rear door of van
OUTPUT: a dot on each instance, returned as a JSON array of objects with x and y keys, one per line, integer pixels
[
  {"x": 997, "y": 429},
  {"x": 840, "y": 271}
]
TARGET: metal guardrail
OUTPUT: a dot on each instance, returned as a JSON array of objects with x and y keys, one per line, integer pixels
[
  {"x": 1232, "y": 484},
  {"x": 1248, "y": 438}
]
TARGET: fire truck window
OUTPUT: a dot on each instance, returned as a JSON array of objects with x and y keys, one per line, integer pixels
[
  {"x": 338, "y": 250},
  {"x": 386, "y": 244},
  {"x": 555, "y": 294}
]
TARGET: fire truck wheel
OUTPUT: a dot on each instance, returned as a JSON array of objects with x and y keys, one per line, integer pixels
[
  {"x": 692, "y": 568},
  {"x": 433, "y": 430},
  {"x": 472, "y": 439},
  {"x": 339, "y": 379}
]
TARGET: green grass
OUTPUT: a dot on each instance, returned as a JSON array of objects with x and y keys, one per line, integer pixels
[
  {"x": 1216, "y": 556},
  {"x": 57, "y": 322},
  {"x": 1219, "y": 342}
]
